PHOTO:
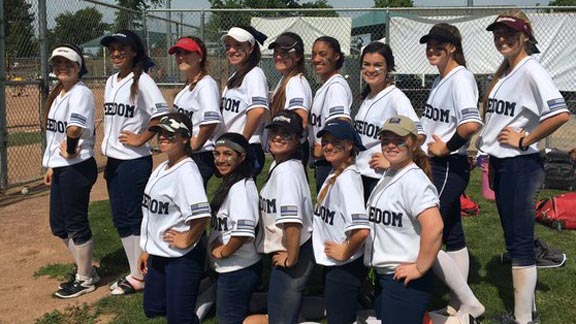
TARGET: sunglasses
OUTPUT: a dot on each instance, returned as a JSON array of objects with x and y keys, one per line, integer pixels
[{"x": 397, "y": 141}]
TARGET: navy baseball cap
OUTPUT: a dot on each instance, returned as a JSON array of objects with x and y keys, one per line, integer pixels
[
  {"x": 288, "y": 120},
  {"x": 342, "y": 130},
  {"x": 440, "y": 34}
]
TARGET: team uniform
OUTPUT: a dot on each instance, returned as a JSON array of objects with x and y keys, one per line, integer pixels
[
  {"x": 341, "y": 211},
  {"x": 393, "y": 209},
  {"x": 332, "y": 100},
  {"x": 72, "y": 179},
  {"x": 522, "y": 99},
  {"x": 238, "y": 274},
  {"x": 202, "y": 106},
  {"x": 285, "y": 198},
  {"x": 236, "y": 102},
  {"x": 453, "y": 101},
  {"x": 369, "y": 120},
  {"x": 171, "y": 201}
]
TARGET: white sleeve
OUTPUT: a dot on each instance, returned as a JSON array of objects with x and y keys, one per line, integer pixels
[
  {"x": 154, "y": 100},
  {"x": 296, "y": 94},
  {"x": 465, "y": 100},
  {"x": 420, "y": 194},
  {"x": 546, "y": 100},
  {"x": 209, "y": 102},
  {"x": 256, "y": 89},
  {"x": 352, "y": 202},
  {"x": 191, "y": 200},
  {"x": 288, "y": 198},
  {"x": 336, "y": 102},
  {"x": 242, "y": 211},
  {"x": 404, "y": 107},
  {"x": 81, "y": 109}
]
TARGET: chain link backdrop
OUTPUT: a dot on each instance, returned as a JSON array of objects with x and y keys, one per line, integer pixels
[{"x": 354, "y": 28}]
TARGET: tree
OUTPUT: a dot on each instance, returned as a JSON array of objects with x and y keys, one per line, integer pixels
[
  {"x": 129, "y": 20},
  {"x": 393, "y": 3},
  {"x": 79, "y": 27},
  {"x": 563, "y": 3},
  {"x": 19, "y": 29}
]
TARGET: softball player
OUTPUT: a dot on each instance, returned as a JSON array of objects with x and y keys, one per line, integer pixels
[
  {"x": 71, "y": 168},
  {"x": 131, "y": 99},
  {"x": 233, "y": 254},
  {"x": 406, "y": 226},
  {"x": 244, "y": 102},
  {"x": 522, "y": 106},
  {"x": 332, "y": 100},
  {"x": 381, "y": 100},
  {"x": 340, "y": 223},
  {"x": 175, "y": 216},
  {"x": 199, "y": 100},
  {"x": 293, "y": 91},
  {"x": 286, "y": 221}
]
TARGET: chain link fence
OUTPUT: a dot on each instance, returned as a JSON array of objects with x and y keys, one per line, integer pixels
[{"x": 31, "y": 33}]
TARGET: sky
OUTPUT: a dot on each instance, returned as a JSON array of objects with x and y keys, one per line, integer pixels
[{"x": 196, "y": 4}]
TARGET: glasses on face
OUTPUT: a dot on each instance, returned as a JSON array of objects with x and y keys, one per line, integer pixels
[
  {"x": 397, "y": 141},
  {"x": 283, "y": 134}
]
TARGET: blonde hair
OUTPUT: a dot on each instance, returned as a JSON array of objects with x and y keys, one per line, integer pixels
[{"x": 351, "y": 160}]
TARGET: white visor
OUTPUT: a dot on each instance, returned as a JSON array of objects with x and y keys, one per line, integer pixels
[
  {"x": 239, "y": 34},
  {"x": 66, "y": 53}
]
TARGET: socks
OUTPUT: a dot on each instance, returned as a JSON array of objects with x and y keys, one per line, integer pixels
[
  {"x": 524, "y": 281},
  {"x": 461, "y": 259},
  {"x": 132, "y": 249},
  {"x": 445, "y": 269},
  {"x": 70, "y": 246},
  {"x": 84, "y": 254}
]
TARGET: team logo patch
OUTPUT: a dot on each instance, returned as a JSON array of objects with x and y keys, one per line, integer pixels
[
  {"x": 394, "y": 121},
  {"x": 200, "y": 208},
  {"x": 557, "y": 103},
  {"x": 296, "y": 102},
  {"x": 288, "y": 211},
  {"x": 259, "y": 101},
  {"x": 336, "y": 110},
  {"x": 78, "y": 119},
  {"x": 470, "y": 113},
  {"x": 245, "y": 224},
  {"x": 162, "y": 106},
  {"x": 211, "y": 115}
]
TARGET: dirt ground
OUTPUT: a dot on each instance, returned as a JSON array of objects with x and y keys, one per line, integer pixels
[{"x": 26, "y": 245}]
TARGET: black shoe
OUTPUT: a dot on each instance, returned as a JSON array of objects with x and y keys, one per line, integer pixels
[
  {"x": 508, "y": 318},
  {"x": 69, "y": 283},
  {"x": 77, "y": 288},
  {"x": 548, "y": 257}
]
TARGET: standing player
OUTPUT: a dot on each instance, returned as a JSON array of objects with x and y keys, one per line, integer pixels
[
  {"x": 176, "y": 213},
  {"x": 245, "y": 98},
  {"x": 293, "y": 91},
  {"x": 406, "y": 226},
  {"x": 341, "y": 224},
  {"x": 522, "y": 107},
  {"x": 71, "y": 168},
  {"x": 131, "y": 99},
  {"x": 332, "y": 100},
  {"x": 450, "y": 119},
  {"x": 235, "y": 215},
  {"x": 199, "y": 100},
  {"x": 380, "y": 101}
]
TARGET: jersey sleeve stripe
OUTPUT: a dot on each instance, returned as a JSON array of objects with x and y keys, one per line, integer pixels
[
  {"x": 200, "y": 208},
  {"x": 245, "y": 224},
  {"x": 296, "y": 102},
  {"x": 335, "y": 111},
  {"x": 77, "y": 119},
  {"x": 243, "y": 233},
  {"x": 257, "y": 101}
]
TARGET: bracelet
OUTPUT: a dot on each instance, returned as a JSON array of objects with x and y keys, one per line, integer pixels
[
  {"x": 420, "y": 272},
  {"x": 455, "y": 142},
  {"x": 521, "y": 145}
]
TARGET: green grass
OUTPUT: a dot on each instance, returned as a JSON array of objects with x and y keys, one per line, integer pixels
[
  {"x": 490, "y": 280},
  {"x": 23, "y": 138}
]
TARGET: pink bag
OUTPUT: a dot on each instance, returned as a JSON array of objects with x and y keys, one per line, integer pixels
[{"x": 487, "y": 193}]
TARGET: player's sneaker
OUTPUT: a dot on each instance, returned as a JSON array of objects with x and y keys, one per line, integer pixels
[
  {"x": 78, "y": 288},
  {"x": 74, "y": 277},
  {"x": 458, "y": 318}
]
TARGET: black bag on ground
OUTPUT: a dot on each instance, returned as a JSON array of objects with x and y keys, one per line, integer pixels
[{"x": 560, "y": 170}]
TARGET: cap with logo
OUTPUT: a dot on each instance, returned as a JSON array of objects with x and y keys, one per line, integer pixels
[
  {"x": 342, "y": 130},
  {"x": 400, "y": 125}
]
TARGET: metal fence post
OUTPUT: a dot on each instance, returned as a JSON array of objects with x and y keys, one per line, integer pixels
[
  {"x": 202, "y": 16},
  {"x": 44, "y": 77},
  {"x": 3, "y": 128}
]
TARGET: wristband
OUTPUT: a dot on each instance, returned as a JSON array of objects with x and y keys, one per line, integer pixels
[
  {"x": 71, "y": 144},
  {"x": 521, "y": 145},
  {"x": 455, "y": 142}
]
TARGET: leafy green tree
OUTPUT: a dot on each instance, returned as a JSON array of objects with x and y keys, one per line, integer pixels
[
  {"x": 79, "y": 27},
  {"x": 19, "y": 29},
  {"x": 130, "y": 20},
  {"x": 563, "y": 3},
  {"x": 393, "y": 3}
]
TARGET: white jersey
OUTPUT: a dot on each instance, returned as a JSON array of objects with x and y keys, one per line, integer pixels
[
  {"x": 332, "y": 100},
  {"x": 393, "y": 209},
  {"x": 172, "y": 199},
  {"x": 202, "y": 106},
  {"x": 74, "y": 108},
  {"x": 372, "y": 114},
  {"x": 238, "y": 216},
  {"x": 341, "y": 211},
  {"x": 298, "y": 93},
  {"x": 252, "y": 93},
  {"x": 522, "y": 99},
  {"x": 122, "y": 113},
  {"x": 284, "y": 198},
  {"x": 453, "y": 101}
]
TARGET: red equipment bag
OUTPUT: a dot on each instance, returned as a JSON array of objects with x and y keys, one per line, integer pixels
[
  {"x": 468, "y": 207},
  {"x": 558, "y": 212}
]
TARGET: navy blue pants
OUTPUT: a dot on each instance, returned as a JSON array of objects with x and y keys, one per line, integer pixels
[
  {"x": 233, "y": 293},
  {"x": 450, "y": 176},
  {"x": 205, "y": 163},
  {"x": 342, "y": 286},
  {"x": 171, "y": 286},
  {"x": 322, "y": 169},
  {"x": 369, "y": 184},
  {"x": 516, "y": 181},
  {"x": 69, "y": 199},
  {"x": 406, "y": 305},
  {"x": 126, "y": 181}
]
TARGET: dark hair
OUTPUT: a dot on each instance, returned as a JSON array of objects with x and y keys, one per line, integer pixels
[
  {"x": 203, "y": 60},
  {"x": 279, "y": 99},
  {"x": 459, "y": 53},
  {"x": 252, "y": 61},
  {"x": 140, "y": 62},
  {"x": 59, "y": 86},
  {"x": 386, "y": 52},
  {"x": 242, "y": 172},
  {"x": 335, "y": 45},
  {"x": 297, "y": 154}
]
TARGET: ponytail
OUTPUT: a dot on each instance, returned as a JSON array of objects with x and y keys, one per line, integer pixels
[
  {"x": 351, "y": 160},
  {"x": 51, "y": 97}
]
